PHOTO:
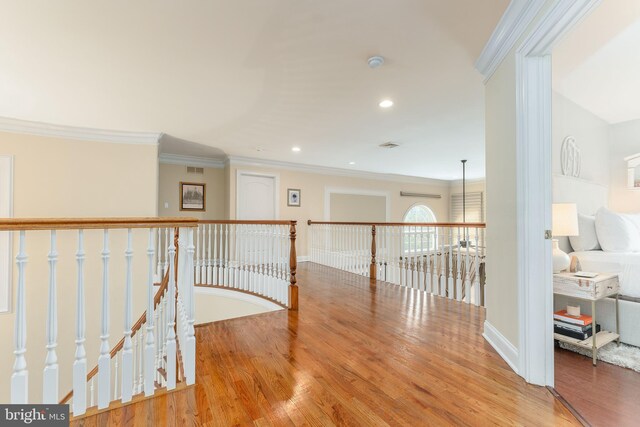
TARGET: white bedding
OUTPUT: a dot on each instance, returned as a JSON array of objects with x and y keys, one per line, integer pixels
[{"x": 626, "y": 264}]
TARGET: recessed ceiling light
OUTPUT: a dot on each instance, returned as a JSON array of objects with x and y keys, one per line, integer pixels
[
  {"x": 352, "y": 163},
  {"x": 295, "y": 149},
  {"x": 386, "y": 103}
]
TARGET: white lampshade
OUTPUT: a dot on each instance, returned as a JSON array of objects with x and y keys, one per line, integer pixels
[{"x": 565, "y": 219}]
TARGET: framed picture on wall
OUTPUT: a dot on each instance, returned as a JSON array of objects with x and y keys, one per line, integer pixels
[
  {"x": 192, "y": 196},
  {"x": 293, "y": 197}
]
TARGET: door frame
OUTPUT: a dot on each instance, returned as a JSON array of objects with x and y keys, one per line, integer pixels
[
  {"x": 6, "y": 243},
  {"x": 276, "y": 178},
  {"x": 534, "y": 195}
]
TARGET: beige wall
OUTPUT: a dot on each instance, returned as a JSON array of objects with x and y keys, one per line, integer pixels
[
  {"x": 68, "y": 178},
  {"x": 358, "y": 208},
  {"x": 169, "y": 180},
  {"x": 500, "y": 147},
  {"x": 313, "y": 187}
]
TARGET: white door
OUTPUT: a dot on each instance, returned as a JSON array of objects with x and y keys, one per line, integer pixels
[{"x": 257, "y": 196}]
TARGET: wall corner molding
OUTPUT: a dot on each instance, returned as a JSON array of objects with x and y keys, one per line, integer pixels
[
  {"x": 27, "y": 127},
  {"x": 503, "y": 346},
  {"x": 512, "y": 25},
  {"x": 178, "y": 159}
]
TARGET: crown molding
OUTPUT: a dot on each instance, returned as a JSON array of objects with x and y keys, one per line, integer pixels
[
  {"x": 326, "y": 170},
  {"x": 455, "y": 182},
  {"x": 178, "y": 159},
  {"x": 8, "y": 124},
  {"x": 512, "y": 25}
]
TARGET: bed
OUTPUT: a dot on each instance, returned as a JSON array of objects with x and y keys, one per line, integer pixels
[{"x": 626, "y": 264}]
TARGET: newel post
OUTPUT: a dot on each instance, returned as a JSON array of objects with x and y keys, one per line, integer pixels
[
  {"x": 293, "y": 265},
  {"x": 372, "y": 268}
]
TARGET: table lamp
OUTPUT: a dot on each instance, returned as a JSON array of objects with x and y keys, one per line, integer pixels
[{"x": 565, "y": 223}]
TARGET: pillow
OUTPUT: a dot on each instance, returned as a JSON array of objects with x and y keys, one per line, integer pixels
[
  {"x": 618, "y": 232},
  {"x": 588, "y": 238}
]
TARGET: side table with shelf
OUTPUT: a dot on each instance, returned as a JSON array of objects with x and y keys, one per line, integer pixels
[{"x": 593, "y": 290}]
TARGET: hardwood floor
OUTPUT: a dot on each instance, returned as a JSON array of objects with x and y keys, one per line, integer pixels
[
  {"x": 354, "y": 354},
  {"x": 605, "y": 395}
]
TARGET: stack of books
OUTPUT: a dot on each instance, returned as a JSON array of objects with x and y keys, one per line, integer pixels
[{"x": 578, "y": 327}]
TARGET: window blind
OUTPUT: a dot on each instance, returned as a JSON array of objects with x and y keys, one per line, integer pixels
[{"x": 474, "y": 207}]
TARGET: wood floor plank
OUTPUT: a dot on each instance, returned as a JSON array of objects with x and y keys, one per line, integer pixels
[{"x": 354, "y": 354}]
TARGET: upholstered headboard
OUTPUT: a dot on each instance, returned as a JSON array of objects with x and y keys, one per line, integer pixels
[{"x": 587, "y": 195}]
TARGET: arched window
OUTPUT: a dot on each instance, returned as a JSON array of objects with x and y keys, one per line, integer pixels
[
  {"x": 417, "y": 239},
  {"x": 419, "y": 213}
]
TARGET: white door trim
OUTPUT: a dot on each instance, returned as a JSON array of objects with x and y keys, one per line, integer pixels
[
  {"x": 276, "y": 177},
  {"x": 6, "y": 211},
  {"x": 358, "y": 192},
  {"x": 533, "y": 180}
]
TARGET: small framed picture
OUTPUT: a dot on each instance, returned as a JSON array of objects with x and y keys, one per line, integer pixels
[
  {"x": 192, "y": 196},
  {"x": 293, "y": 197}
]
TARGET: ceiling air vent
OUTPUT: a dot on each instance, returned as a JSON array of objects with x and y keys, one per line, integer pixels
[
  {"x": 196, "y": 170},
  {"x": 389, "y": 145}
]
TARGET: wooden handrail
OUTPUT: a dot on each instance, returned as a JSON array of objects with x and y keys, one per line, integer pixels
[
  {"x": 405, "y": 224},
  {"x": 11, "y": 224},
  {"x": 249, "y": 222}
]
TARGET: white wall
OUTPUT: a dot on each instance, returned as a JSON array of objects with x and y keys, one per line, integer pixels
[
  {"x": 591, "y": 135},
  {"x": 624, "y": 141}
]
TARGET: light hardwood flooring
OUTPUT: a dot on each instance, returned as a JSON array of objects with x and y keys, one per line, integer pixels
[{"x": 355, "y": 354}]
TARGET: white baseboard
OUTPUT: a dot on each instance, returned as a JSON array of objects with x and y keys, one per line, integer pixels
[
  {"x": 503, "y": 346},
  {"x": 303, "y": 259}
]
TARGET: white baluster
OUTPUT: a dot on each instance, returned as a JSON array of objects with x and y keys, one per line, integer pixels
[
  {"x": 166, "y": 251},
  {"x": 139, "y": 359},
  {"x": 91, "y": 394},
  {"x": 20, "y": 376},
  {"x": 50, "y": 375},
  {"x": 159, "y": 258},
  {"x": 158, "y": 349},
  {"x": 115, "y": 378},
  {"x": 149, "y": 349},
  {"x": 104, "y": 361},
  {"x": 80, "y": 363},
  {"x": 171, "y": 334},
  {"x": 190, "y": 345},
  {"x": 127, "y": 352},
  {"x": 209, "y": 259}
]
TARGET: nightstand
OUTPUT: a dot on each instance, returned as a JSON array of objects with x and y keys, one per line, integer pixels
[{"x": 589, "y": 289}]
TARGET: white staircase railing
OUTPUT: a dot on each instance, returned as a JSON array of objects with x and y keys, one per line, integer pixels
[
  {"x": 146, "y": 357},
  {"x": 256, "y": 257},
  {"x": 439, "y": 258}
]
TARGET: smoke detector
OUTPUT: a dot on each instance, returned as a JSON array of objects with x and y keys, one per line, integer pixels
[
  {"x": 389, "y": 145},
  {"x": 375, "y": 62}
]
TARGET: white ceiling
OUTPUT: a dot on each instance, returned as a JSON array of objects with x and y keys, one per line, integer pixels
[
  {"x": 597, "y": 65},
  {"x": 240, "y": 75}
]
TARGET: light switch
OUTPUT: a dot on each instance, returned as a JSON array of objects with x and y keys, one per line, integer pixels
[{"x": 166, "y": 205}]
